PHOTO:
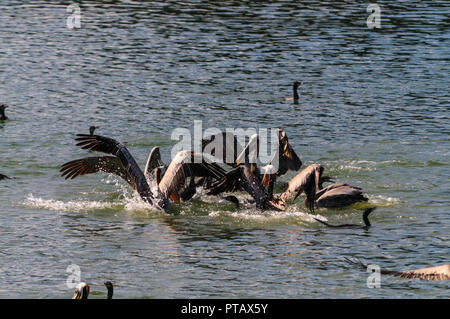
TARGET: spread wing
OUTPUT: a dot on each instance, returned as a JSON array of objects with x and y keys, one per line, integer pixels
[
  {"x": 110, "y": 146},
  {"x": 90, "y": 165},
  {"x": 230, "y": 182},
  {"x": 184, "y": 165}
]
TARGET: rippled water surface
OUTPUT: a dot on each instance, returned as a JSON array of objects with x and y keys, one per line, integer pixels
[{"x": 374, "y": 111}]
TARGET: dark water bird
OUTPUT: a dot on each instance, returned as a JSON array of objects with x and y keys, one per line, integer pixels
[
  {"x": 4, "y": 177},
  {"x": 295, "y": 97},
  {"x": 429, "y": 274},
  {"x": 109, "y": 286},
  {"x": 82, "y": 290},
  {"x": 122, "y": 163},
  {"x": 2, "y": 112},
  {"x": 92, "y": 129},
  {"x": 365, "y": 219}
]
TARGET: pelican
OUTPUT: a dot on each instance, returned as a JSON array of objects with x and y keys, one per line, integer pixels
[
  {"x": 306, "y": 181},
  {"x": 430, "y": 274},
  {"x": 247, "y": 177},
  {"x": 246, "y": 174},
  {"x": 295, "y": 95},
  {"x": 2, "y": 112},
  {"x": 122, "y": 163},
  {"x": 365, "y": 219},
  {"x": 310, "y": 181},
  {"x": 82, "y": 290},
  {"x": 337, "y": 195}
]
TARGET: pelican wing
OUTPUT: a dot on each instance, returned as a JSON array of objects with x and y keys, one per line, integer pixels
[
  {"x": 153, "y": 161},
  {"x": 306, "y": 181},
  {"x": 430, "y": 274},
  {"x": 288, "y": 158},
  {"x": 184, "y": 165},
  {"x": 90, "y": 165},
  {"x": 110, "y": 146},
  {"x": 227, "y": 144},
  {"x": 230, "y": 182}
]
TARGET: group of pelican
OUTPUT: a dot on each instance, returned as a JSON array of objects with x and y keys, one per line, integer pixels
[{"x": 160, "y": 184}]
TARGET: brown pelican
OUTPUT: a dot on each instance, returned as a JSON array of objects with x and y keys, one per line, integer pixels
[
  {"x": 310, "y": 181},
  {"x": 2, "y": 112},
  {"x": 306, "y": 181},
  {"x": 365, "y": 219},
  {"x": 92, "y": 129},
  {"x": 430, "y": 274},
  {"x": 82, "y": 290},
  {"x": 122, "y": 163},
  {"x": 248, "y": 176},
  {"x": 4, "y": 177},
  {"x": 295, "y": 95},
  {"x": 337, "y": 195},
  {"x": 245, "y": 176}
]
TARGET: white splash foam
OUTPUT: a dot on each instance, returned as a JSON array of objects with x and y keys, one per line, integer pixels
[{"x": 78, "y": 205}]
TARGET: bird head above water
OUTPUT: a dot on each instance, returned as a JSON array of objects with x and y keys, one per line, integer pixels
[
  {"x": 92, "y": 128},
  {"x": 2, "y": 112},
  {"x": 110, "y": 288}
]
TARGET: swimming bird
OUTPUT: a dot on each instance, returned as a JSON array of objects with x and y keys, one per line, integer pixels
[
  {"x": 4, "y": 177},
  {"x": 82, "y": 290},
  {"x": 430, "y": 273},
  {"x": 2, "y": 112},
  {"x": 110, "y": 288},
  {"x": 365, "y": 219},
  {"x": 336, "y": 195},
  {"x": 122, "y": 163},
  {"x": 295, "y": 95},
  {"x": 92, "y": 129}
]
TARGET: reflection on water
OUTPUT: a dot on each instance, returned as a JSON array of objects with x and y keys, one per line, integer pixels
[{"x": 373, "y": 110}]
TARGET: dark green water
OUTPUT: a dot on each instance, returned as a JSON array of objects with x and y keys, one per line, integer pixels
[{"x": 374, "y": 111}]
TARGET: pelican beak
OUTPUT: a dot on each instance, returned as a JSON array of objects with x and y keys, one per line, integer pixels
[{"x": 266, "y": 180}]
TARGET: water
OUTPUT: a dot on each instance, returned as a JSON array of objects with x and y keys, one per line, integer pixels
[{"x": 374, "y": 111}]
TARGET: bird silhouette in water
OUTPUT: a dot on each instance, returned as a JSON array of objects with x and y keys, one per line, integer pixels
[
  {"x": 2, "y": 112},
  {"x": 365, "y": 218}
]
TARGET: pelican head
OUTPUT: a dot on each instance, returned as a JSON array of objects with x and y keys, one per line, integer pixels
[{"x": 81, "y": 291}]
